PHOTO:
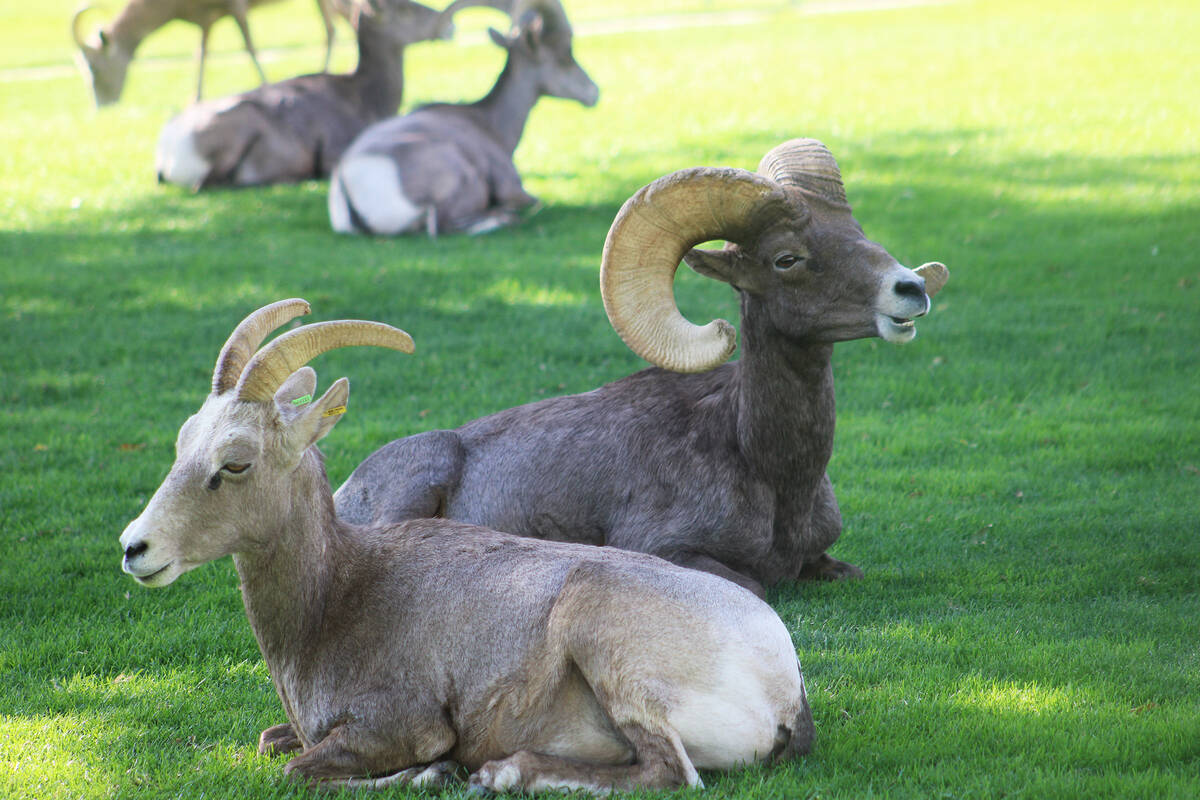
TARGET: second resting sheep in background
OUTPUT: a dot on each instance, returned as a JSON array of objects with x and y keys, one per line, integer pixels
[{"x": 449, "y": 168}]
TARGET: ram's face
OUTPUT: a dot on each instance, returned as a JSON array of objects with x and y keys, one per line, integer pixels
[{"x": 819, "y": 279}]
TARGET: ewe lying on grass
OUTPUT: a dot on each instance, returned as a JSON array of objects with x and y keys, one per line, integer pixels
[
  {"x": 446, "y": 168},
  {"x": 402, "y": 651},
  {"x": 724, "y": 470}
]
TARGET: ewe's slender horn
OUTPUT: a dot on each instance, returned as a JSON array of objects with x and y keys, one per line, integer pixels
[
  {"x": 271, "y": 366},
  {"x": 806, "y": 164},
  {"x": 651, "y": 233},
  {"x": 246, "y": 338}
]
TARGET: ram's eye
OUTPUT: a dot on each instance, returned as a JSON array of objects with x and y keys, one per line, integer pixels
[
  {"x": 236, "y": 469},
  {"x": 787, "y": 261}
]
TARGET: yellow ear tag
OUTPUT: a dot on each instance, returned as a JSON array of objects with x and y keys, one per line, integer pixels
[{"x": 333, "y": 412}]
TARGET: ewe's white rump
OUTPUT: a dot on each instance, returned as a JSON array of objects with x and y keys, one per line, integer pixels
[{"x": 369, "y": 186}]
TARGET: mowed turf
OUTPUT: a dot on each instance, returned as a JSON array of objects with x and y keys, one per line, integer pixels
[{"x": 1021, "y": 484}]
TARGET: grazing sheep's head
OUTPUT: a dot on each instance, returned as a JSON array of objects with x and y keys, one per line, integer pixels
[
  {"x": 104, "y": 61},
  {"x": 542, "y": 36},
  {"x": 793, "y": 248},
  {"x": 234, "y": 457}
]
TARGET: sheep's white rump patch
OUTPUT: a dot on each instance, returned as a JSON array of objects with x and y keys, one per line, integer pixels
[{"x": 371, "y": 184}]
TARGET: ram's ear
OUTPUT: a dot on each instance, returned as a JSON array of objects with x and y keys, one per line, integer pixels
[
  {"x": 721, "y": 265},
  {"x": 318, "y": 418}
]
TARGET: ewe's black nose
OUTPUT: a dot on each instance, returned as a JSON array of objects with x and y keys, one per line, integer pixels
[
  {"x": 914, "y": 289},
  {"x": 135, "y": 550}
]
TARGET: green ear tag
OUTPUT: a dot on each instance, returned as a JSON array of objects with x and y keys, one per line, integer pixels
[{"x": 300, "y": 401}]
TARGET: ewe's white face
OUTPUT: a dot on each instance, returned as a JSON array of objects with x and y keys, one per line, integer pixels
[{"x": 208, "y": 502}]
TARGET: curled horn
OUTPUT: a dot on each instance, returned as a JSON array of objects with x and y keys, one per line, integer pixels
[
  {"x": 246, "y": 337},
  {"x": 75, "y": 33},
  {"x": 271, "y": 366},
  {"x": 647, "y": 240},
  {"x": 805, "y": 164}
]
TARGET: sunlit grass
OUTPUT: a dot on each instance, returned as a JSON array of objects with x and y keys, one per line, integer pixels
[{"x": 1021, "y": 484}]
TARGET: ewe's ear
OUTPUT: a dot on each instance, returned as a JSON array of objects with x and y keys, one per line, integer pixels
[
  {"x": 317, "y": 419},
  {"x": 299, "y": 385},
  {"x": 719, "y": 265}
]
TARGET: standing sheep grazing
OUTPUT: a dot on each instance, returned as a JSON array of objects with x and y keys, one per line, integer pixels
[
  {"x": 446, "y": 168},
  {"x": 298, "y": 128},
  {"x": 720, "y": 468},
  {"x": 105, "y": 57},
  {"x": 401, "y": 651}
]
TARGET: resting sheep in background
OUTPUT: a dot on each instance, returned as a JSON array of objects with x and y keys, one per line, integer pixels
[
  {"x": 106, "y": 55},
  {"x": 720, "y": 468},
  {"x": 446, "y": 168},
  {"x": 397, "y": 651},
  {"x": 298, "y": 128}
]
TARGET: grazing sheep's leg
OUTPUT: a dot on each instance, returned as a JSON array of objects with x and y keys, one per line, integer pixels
[
  {"x": 239, "y": 15},
  {"x": 326, "y": 10},
  {"x": 660, "y": 762},
  {"x": 704, "y": 563},
  {"x": 203, "y": 55},
  {"x": 279, "y": 739}
]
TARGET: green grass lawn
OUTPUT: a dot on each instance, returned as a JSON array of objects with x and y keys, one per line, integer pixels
[{"x": 1021, "y": 484}]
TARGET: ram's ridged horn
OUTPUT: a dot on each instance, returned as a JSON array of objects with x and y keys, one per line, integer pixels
[
  {"x": 75, "y": 20},
  {"x": 272, "y": 365},
  {"x": 649, "y": 237},
  {"x": 244, "y": 341},
  {"x": 806, "y": 164}
]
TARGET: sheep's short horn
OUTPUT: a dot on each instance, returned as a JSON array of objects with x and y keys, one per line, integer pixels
[
  {"x": 649, "y": 237},
  {"x": 246, "y": 338},
  {"x": 271, "y": 366}
]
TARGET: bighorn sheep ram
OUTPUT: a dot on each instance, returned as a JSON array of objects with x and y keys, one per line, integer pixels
[
  {"x": 401, "y": 651},
  {"x": 723, "y": 470},
  {"x": 106, "y": 55},
  {"x": 298, "y": 128},
  {"x": 445, "y": 168}
]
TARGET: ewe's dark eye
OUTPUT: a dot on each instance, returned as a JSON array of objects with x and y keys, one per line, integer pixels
[
  {"x": 787, "y": 261},
  {"x": 236, "y": 469}
]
